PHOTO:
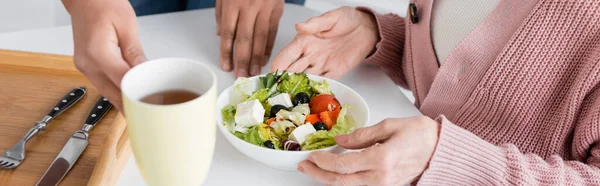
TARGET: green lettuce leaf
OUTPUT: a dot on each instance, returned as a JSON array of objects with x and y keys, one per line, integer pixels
[
  {"x": 252, "y": 135},
  {"x": 321, "y": 88},
  {"x": 257, "y": 135},
  {"x": 229, "y": 117},
  {"x": 260, "y": 95},
  {"x": 239, "y": 135},
  {"x": 268, "y": 80},
  {"x": 277, "y": 143},
  {"x": 318, "y": 140},
  {"x": 344, "y": 124},
  {"x": 242, "y": 89},
  {"x": 322, "y": 139},
  {"x": 264, "y": 132},
  {"x": 272, "y": 79},
  {"x": 273, "y": 137},
  {"x": 294, "y": 84},
  {"x": 267, "y": 110},
  {"x": 228, "y": 112},
  {"x": 272, "y": 91}
]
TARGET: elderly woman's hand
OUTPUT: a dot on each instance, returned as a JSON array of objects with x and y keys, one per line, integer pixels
[
  {"x": 397, "y": 152},
  {"x": 330, "y": 45}
]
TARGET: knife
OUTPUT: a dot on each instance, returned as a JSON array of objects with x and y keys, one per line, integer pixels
[{"x": 74, "y": 147}]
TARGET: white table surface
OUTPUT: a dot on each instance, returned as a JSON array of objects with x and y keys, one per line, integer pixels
[{"x": 191, "y": 34}]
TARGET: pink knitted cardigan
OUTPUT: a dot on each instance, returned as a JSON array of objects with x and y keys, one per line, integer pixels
[{"x": 518, "y": 99}]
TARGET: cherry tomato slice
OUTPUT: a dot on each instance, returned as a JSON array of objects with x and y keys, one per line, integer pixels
[
  {"x": 335, "y": 113},
  {"x": 323, "y": 102},
  {"x": 327, "y": 119}
]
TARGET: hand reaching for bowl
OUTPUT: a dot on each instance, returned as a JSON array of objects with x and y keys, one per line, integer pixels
[
  {"x": 396, "y": 152},
  {"x": 247, "y": 29},
  {"x": 330, "y": 45},
  {"x": 106, "y": 43}
]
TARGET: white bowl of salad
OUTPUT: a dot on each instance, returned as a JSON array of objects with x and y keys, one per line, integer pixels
[{"x": 280, "y": 118}]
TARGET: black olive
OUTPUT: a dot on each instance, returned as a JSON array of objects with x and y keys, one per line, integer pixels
[
  {"x": 320, "y": 126},
  {"x": 276, "y": 108},
  {"x": 301, "y": 98},
  {"x": 269, "y": 144}
]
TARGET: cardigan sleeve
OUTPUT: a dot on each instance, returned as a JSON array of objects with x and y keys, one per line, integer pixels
[
  {"x": 390, "y": 48},
  {"x": 463, "y": 158}
]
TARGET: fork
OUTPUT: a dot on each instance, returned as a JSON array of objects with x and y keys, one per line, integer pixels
[{"x": 15, "y": 155}]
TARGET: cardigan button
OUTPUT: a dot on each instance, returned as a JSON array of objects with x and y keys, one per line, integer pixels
[{"x": 414, "y": 14}]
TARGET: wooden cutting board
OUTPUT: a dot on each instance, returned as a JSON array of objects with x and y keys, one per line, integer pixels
[{"x": 30, "y": 85}]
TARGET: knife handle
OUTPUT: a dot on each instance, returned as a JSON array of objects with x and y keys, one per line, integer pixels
[
  {"x": 67, "y": 101},
  {"x": 100, "y": 109}
]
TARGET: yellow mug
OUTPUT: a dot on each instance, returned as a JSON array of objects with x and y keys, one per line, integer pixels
[{"x": 172, "y": 144}]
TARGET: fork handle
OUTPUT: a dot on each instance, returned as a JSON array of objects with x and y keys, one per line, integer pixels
[
  {"x": 66, "y": 102},
  {"x": 30, "y": 134}
]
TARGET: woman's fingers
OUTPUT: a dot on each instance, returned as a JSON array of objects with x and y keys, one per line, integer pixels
[
  {"x": 368, "y": 136},
  {"x": 344, "y": 163},
  {"x": 288, "y": 54},
  {"x": 318, "y": 24},
  {"x": 299, "y": 65},
  {"x": 314, "y": 70},
  {"x": 334, "y": 74},
  {"x": 317, "y": 65},
  {"x": 332, "y": 178},
  {"x": 331, "y": 24},
  {"x": 332, "y": 37},
  {"x": 390, "y": 156}
]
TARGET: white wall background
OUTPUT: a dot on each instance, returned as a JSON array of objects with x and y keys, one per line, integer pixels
[{"x": 18, "y": 15}]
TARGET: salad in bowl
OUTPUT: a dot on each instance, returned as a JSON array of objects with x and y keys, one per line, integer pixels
[
  {"x": 280, "y": 118},
  {"x": 288, "y": 112}
]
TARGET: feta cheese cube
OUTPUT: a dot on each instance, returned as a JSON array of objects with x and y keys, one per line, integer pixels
[
  {"x": 281, "y": 99},
  {"x": 299, "y": 134},
  {"x": 249, "y": 113}
]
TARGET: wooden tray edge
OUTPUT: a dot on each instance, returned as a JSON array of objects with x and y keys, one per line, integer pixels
[
  {"x": 115, "y": 153},
  {"x": 32, "y": 59}
]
